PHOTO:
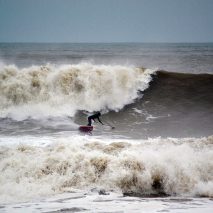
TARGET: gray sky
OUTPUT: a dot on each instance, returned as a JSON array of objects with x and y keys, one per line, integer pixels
[{"x": 106, "y": 20}]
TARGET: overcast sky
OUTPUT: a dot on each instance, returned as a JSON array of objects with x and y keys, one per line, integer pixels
[{"x": 106, "y": 20}]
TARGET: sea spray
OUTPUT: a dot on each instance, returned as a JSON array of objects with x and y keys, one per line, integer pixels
[
  {"x": 153, "y": 167},
  {"x": 50, "y": 90}
]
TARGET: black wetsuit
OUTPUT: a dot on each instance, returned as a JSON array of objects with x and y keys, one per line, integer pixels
[{"x": 93, "y": 117}]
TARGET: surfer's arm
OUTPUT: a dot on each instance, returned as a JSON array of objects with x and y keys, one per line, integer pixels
[{"x": 100, "y": 121}]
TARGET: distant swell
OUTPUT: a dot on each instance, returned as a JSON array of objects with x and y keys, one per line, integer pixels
[
  {"x": 62, "y": 90},
  {"x": 182, "y": 87}
]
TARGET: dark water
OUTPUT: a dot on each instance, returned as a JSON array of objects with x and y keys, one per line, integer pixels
[{"x": 175, "y": 105}]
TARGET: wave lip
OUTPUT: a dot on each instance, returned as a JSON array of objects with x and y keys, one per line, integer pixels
[{"x": 61, "y": 90}]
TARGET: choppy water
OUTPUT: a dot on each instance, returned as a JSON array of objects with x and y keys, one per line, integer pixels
[{"x": 157, "y": 96}]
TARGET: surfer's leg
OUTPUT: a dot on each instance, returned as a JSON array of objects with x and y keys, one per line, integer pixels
[{"x": 89, "y": 121}]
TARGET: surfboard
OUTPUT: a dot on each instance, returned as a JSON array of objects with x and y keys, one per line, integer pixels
[{"x": 86, "y": 128}]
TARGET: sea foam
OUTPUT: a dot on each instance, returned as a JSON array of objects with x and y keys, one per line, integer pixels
[
  {"x": 153, "y": 167},
  {"x": 40, "y": 91}
]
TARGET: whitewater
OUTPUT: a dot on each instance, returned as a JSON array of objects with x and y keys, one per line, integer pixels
[
  {"x": 158, "y": 158},
  {"x": 65, "y": 89}
]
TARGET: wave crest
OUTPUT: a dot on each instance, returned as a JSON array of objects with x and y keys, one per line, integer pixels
[{"x": 62, "y": 90}]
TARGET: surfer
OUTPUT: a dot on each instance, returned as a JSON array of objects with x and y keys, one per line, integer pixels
[{"x": 93, "y": 117}]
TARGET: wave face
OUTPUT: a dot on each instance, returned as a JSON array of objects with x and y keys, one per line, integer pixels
[
  {"x": 174, "y": 105},
  {"x": 154, "y": 167},
  {"x": 62, "y": 90}
]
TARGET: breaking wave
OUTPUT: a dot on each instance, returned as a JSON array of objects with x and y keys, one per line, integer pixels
[
  {"x": 142, "y": 168},
  {"x": 62, "y": 90}
]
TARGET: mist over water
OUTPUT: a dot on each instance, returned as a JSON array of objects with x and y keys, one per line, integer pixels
[{"x": 183, "y": 57}]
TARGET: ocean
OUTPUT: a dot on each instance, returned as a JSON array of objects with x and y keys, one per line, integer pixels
[{"x": 157, "y": 158}]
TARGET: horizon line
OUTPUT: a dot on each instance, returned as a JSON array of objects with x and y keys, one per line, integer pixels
[{"x": 115, "y": 42}]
